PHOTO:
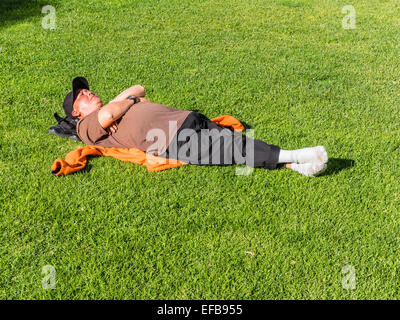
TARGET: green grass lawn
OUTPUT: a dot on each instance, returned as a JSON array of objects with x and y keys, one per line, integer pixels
[{"x": 287, "y": 69}]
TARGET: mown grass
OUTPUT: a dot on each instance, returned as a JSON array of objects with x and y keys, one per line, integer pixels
[{"x": 287, "y": 69}]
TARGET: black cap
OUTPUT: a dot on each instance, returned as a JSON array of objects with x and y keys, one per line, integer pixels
[{"x": 77, "y": 84}]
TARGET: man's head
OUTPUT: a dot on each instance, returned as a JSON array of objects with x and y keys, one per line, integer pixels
[
  {"x": 85, "y": 103},
  {"x": 78, "y": 83}
]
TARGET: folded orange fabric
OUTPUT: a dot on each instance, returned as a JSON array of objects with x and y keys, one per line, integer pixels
[{"x": 76, "y": 160}]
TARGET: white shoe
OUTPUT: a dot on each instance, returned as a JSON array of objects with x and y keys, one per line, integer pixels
[
  {"x": 313, "y": 154},
  {"x": 309, "y": 169}
]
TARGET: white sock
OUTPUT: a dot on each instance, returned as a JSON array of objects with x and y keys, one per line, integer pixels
[
  {"x": 286, "y": 156},
  {"x": 305, "y": 155},
  {"x": 309, "y": 169}
]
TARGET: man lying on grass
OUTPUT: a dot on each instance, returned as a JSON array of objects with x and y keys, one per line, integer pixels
[{"x": 131, "y": 121}]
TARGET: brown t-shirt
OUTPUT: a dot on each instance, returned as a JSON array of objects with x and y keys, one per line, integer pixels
[{"x": 147, "y": 126}]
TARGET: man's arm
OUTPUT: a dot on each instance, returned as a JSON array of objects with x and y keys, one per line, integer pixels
[
  {"x": 137, "y": 91},
  {"x": 113, "y": 111},
  {"x": 117, "y": 107}
]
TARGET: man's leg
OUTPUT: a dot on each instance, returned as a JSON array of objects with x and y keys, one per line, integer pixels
[
  {"x": 224, "y": 147},
  {"x": 215, "y": 145},
  {"x": 259, "y": 154}
]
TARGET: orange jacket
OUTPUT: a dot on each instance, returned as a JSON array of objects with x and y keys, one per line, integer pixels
[{"x": 76, "y": 160}]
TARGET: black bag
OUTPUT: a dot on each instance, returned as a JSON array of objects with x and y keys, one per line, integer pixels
[{"x": 66, "y": 127}]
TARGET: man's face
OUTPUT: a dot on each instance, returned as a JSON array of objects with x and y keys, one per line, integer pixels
[{"x": 85, "y": 103}]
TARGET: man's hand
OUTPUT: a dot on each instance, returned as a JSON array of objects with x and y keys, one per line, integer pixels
[
  {"x": 143, "y": 100},
  {"x": 112, "y": 128}
]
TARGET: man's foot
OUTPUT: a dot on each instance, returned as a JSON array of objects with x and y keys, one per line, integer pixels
[
  {"x": 309, "y": 155},
  {"x": 309, "y": 169}
]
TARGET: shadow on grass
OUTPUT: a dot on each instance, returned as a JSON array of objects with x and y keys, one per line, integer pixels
[
  {"x": 88, "y": 166},
  {"x": 245, "y": 125},
  {"x": 335, "y": 165},
  {"x": 12, "y": 11}
]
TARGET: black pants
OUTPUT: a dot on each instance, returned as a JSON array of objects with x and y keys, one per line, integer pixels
[{"x": 202, "y": 142}]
